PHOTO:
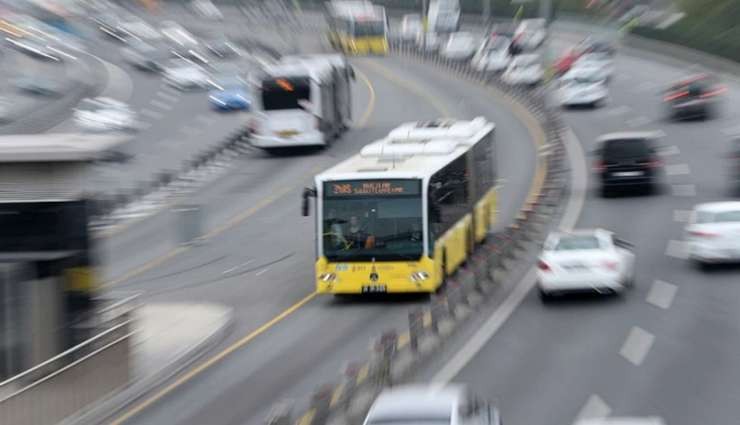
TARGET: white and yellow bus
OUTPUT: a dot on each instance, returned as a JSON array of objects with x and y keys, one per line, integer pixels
[
  {"x": 357, "y": 27},
  {"x": 407, "y": 211}
]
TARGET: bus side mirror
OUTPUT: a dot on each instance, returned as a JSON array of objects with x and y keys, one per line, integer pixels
[{"x": 305, "y": 204}]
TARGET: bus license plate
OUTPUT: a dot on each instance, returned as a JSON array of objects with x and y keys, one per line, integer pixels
[{"x": 374, "y": 289}]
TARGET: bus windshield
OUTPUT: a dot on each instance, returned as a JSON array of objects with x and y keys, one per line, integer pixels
[
  {"x": 285, "y": 93},
  {"x": 365, "y": 220},
  {"x": 369, "y": 28}
]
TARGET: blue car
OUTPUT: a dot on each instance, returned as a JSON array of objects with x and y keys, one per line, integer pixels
[{"x": 230, "y": 99}]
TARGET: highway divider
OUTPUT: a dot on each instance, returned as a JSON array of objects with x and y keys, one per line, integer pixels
[{"x": 397, "y": 353}]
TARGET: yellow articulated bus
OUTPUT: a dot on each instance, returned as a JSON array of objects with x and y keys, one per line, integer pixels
[
  {"x": 357, "y": 27},
  {"x": 407, "y": 211}
]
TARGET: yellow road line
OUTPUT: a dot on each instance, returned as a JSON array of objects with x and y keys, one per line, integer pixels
[
  {"x": 336, "y": 395},
  {"x": 362, "y": 374},
  {"x": 307, "y": 418},
  {"x": 365, "y": 118},
  {"x": 403, "y": 339},
  {"x": 410, "y": 86},
  {"x": 211, "y": 361}
]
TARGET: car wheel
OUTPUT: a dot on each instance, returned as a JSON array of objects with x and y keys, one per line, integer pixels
[
  {"x": 703, "y": 265},
  {"x": 545, "y": 297},
  {"x": 606, "y": 192}
]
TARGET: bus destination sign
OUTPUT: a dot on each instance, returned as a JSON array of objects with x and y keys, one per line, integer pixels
[{"x": 350, "y": 188}]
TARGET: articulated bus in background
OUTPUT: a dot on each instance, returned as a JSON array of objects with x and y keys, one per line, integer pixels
[
  {"x": 444, "y": 16},
  {"x": 303, "y": 101},
  {"x": 407, "y": 210},
  {"x": 357, "y": 27}
]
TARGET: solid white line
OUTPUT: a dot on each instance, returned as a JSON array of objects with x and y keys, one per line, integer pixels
[
  {"x": 682, "y": 216},
  {"x": 677, "y": 249},
  {"x": 579, "y": 184},
  {"x": 262, "y": 271},
  {"x": 669, "y": 150},
  {"x": 161, "y": 105},
  {"x": 684, "y": 190},
  {"x": 637, "y": 345},
  {"x": 677, "y": 169},
  {"x": 661, "y": 294},
  {"x": 151, "y": 114},
  {"x": 595, "y": 408}
]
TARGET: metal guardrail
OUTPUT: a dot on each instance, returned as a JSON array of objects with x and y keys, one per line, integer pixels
[{"x": 66, "y": 383}]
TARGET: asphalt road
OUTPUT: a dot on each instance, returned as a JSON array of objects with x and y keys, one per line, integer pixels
[
  {"x": 669, "y": 347},
  {"x": 261, "y": 262}
]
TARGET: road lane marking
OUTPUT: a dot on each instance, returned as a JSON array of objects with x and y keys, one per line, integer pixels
[
  {"x": 362, "y": 122},
  {"x": 212, "y": 361},
  {"x": 661, "y": 294},
  {"x": 161, "y": 105},
  {"x": 168, "y": 97},
  {"x": 227, "y": 271},
  {"x": 669, "y": 151},
  {"x": 205, "y": 119},
  {"x": 579, "y": 180},
  {"x": 677, "y": 249},
  {"x": 638, "y": 121},
  {"x": 686, "y": 190},
  {"x": 646, "y": 86},
  {"x": 617, "y": 110},
  {"x": 261, "y": 272},
  {"x": 637, "y": 345},
  {"x": 151, "y": 113},
  {"x": 595, "y": 408},
  {"x": 677, "y": 169},
  {"x": 682, "y": 216}
]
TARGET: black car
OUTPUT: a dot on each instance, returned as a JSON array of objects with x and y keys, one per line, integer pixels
[
  {"x": 627, "y": 161},
  {"x": 693, "y": 97}
]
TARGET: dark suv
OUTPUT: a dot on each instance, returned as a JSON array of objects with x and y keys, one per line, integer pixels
[{"x": 627, "y": 160}]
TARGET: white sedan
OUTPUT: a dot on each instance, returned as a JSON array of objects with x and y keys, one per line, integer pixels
[
  {"x": 524, "y": 69},
  {"x": 186, "y": 75},
  {"x": 713, "y": 233},
  {"x": 459, "y": 46},
  {"x": 585, "y": 261},
  {"x": 598, "y": 65},
  {"x": 577, "y": 89},
  {"x": 103, "y": 114},
  {"x": 493, "y": 55},
  {"x": 431, "y": 404}
]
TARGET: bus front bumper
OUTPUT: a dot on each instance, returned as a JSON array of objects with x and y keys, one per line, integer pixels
[{"x": 274, "y": 141}]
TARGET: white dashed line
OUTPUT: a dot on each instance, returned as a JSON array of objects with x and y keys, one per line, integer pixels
[
  {"x": 681, "y": 216},
  {"x": 617, "y": 110},
  {"x": 669, "y": 151},
  {"x": 661, "y": 294},
  {"x": 638, "y": 121},
  {"x": 732, "y": 131},
  {"x": 161, "y": 105},
  {"x": 646, "y": 86},
  {"x": 684, "y": 190},
  {"x": 262, "y": 271},
  {"x": 227, "y": 271},
  {"x": 677, "y": 169},
  {"x": 152, "y": 114},
  {"x": 595, "y": 408},
  {"x": 637, "y": 345},
  {"x": 677, "y": 249},
  {"x": 205, "y": 119},
  {"x": 168, "y": 97}
]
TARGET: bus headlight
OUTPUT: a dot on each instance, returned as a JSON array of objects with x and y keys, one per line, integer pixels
[
  {"x": 418, "y": 277},
  {"x": 327, "y": 277}
]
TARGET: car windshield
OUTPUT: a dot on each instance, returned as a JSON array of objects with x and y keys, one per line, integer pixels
[
  {"x": 361, "y": 227},
  {"x": 577, "y": 242},
  {"x": 626, "y": 148},
  {"x": 369, "y": 28},
  {"x": 718, "y": 217}
]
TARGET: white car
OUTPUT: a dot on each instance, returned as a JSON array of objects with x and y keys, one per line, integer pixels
[
  {"x": 713, "y": 233},
  {"x": 430, "y": 43},
  {"x": 622, "y": 421},
  {"x": 524, "y": 69},
  {"x": 585, "y": 261},
  {"x": 410, "y": 27},
  {"x": 577, "y": 89},
  {"x": 185, "y": 75},
  {"x": 531, "y": 33},
  {"x": 429, "y": 404},
  {"x": 598, "y": 65},
  {"x": 493, "y": 55},
  {"x": 459, "y": 46},
  {"x": 206, "y": 9},
  {"x": 103, "y": 114}
]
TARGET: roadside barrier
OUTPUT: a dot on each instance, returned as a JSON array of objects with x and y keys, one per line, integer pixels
[{"x": 395, "y": 355}]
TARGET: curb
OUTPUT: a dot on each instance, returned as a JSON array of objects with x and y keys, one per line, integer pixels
[
  {"x": 395, "y": 356},
  {"x": 103, "y": 410}
]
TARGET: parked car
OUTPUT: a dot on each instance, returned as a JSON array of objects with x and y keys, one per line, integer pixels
[{"x": 588, "y": 260}]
